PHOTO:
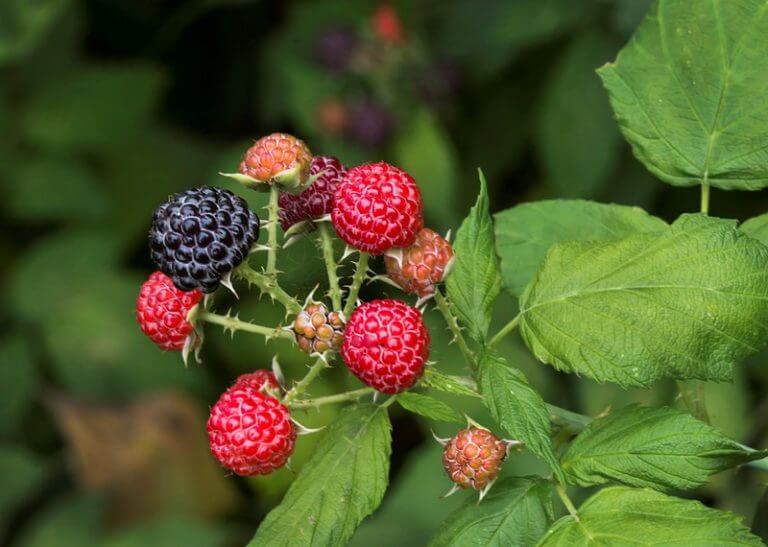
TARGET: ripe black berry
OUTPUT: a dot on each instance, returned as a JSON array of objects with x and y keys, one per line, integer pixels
[{"x": 200, "y": 235}]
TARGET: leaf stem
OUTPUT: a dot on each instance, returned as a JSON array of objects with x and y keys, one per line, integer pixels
[
  {"x": 272, "y": 210},
  {"x": 705, "y": 194},
  {"x": 506, "y": 329},
  {"x": 566, "y": 500},
  {"x": 269, "y": 286},
  {"x": 453, "y": 326},
  {"x": 301, "y": 385},
  {"x": 357, "y": 281},
  {"x": 235, "y": 324},
  {"x": 331, "y": 399},
  {"x": 692, "y": 393},
  {"x": 326, "y": 245}
]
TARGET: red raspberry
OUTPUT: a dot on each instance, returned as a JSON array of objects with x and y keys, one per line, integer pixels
[
  {"x": 387, "y": 25},
  {"x": 473, "y": 457},
  {"x": 377, "y": 207},
  {"x": 422, "y": 265},
  {"x": 260, "y": 380},
  {"x": 278, "y": 156},
  {"x": 249, "y": 432},
  {"x": 161, "y": 310},
  {"x": 317, "y": 200},
  {"x": 386, "y": 345}
]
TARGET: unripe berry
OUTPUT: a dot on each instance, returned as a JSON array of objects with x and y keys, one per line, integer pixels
[
  {"x": 422, "y": 265},
  {"x": 317, "y": 200},
  {"x": 317, "y": 330},
  {"x": 473, "y": 457},
  {"x": 162, "y": 309},
  {"x": 386, "y": 345},
  {"x": 249, "y": 432},
  {"x": 278, "y": 158}
]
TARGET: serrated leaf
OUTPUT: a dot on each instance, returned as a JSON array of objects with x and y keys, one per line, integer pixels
[
  {"x": 428, "y": 407},
  {"x": 525, "y": 232},
  {"x": 341, "y": 485},
  {"x": 688, "y": 92},
  {"x": 577, "y": 140},
  {"x": 660, "y": 448},
  {"x": 456, "y": 385},
  {"x": 686, "y": 303},
  {"x": 757, "y": 227},
  {"x": 516, "y": 512},
  {"x": 630, "y": 516},
  {"x": 517, "y": 407},
  {"x": 475, "y": 281}
]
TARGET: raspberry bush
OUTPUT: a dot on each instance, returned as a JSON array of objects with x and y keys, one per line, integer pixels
[{"x": 602, "y": 291}]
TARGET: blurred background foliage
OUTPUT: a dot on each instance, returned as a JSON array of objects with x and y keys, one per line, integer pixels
[{"x": 108, "y": 106}]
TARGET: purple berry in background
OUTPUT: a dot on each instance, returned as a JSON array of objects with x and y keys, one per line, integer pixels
[
  {"x": 369, "y": 123},
  {"x": 335, "y": 47},
  {"x": 439, "y": 81}
]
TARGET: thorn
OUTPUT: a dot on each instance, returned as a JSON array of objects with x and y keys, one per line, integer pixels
[
  {"x": 450, "y": 492},
  {"x": 421, "y": 303},
  {"x": 299, "y": 228},
  {"x": 258, "y": 249},
  {"x": 449, "y": 267},
  {"x": 310, "y": 297},
  {"x": 397, "y": 254},
  {"x": 348, "y": 251},
  {"x": 512, "y": 444},
  {"x": 278, "y": 371},
  {"x": 324, "y": 218},
  {"x": 376, "y": 395},
  {"x": 448, "y": 235},
  {"x": 471, "y": 422},
  {"x": 485, "y": 490},
  {"x": 245, "y": 180},
  {"x": 226, "y": 280},
  {"x": 304, "y": 430},
  {"x": 441, "y": 440},
  {"x": 383, "y": 279}
]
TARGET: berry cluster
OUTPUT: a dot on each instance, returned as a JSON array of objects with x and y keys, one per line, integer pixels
[{"x": 199, "y": 237}]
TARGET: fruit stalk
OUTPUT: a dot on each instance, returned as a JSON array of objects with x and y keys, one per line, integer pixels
[
  {"x": 331, "y": 399},
  {"x": 301, "y": 385},
  {"x": 269, "y": 286},
  {"x": 357, "y": 281},
  {"x": 326, "y": 245},
  {"x": 272, "y": 210},
  {"x": 233, "y": 323},
  {"x": 506, "y": 329},
  {"x": 453, "y": 325}
]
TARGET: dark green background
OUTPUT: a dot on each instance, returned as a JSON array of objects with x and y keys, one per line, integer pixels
[{"x": 107, "y": 106}]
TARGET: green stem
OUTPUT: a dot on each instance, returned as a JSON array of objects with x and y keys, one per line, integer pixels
[
  {"x": 326, "y": 245},
  {"x": 234, "y": 323},
  {"x": 506, "y": 329},
  {"x": 575, "y": 422},
  {"x": 272, "y": 210},
  {"x": 269, "y": 286},
  {"x": 332, "y": 399},
  {"x": 705, "y": 195},
  {"x": 453, "y": 326},
  {"x": 566, "y": 500},
  {"x": 301, "y": 385},
  {"x": 357, "y": 281}
]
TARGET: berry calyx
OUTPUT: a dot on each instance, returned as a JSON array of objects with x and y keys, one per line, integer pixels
[
  {"x": 377, "y": 207},
  {"x": 250, "y": 432},
  {"x": 317, "y": 200},
  {"x": 473, "y": 457},
  {"x": 317, "y": 330},
  {"x": 261, "y": 380},
  {"x": 422, "y": 265},
  {"x": 386, "y": 345},
  {"x": 280, "y": 159},
  {"x": 199, "y": 236},
  {"x": 162, "y": 310}
]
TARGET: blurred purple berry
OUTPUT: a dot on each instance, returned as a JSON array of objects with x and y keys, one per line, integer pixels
[
  {"x": 369, "y": 123},
  {"x": 335, "y": 47},
  {"x": 439, "y": 81}
]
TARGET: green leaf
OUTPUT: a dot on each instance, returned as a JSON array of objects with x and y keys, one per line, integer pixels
[
  {"x": 516, "y": 512},
  {"x": 341, "y": 485},
  {"x": 24, "y": 24},
  {"x": 424, "y": 150},
  {"x": 629, "y": 516},
  {"x": 18, "y": 381},
  {"x": 428, "y": 407},
  {"x": 475, "y": 281},
  {"x": 688, "y": 92},
  {"x": 686, "y": 303},
  {"x": 71, "y": 521},
  {"x": 757, "y": 227},
  {"x": 517, "y": 407},
  {"x": 456, "y": 385},
  {"x": 660, "y": 448},
  {"x": 576, "y": 136},
  {"x": 81, "y": 112},
  {"x": 171, "y": 531},
  {"x": 23, "y": 474},
  {"x": 525, "y": 233}
]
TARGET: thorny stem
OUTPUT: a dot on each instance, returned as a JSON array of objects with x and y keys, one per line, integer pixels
[
  {"x": 326, "y": 244},
  {"x": 331, "y": 399},
  {"x": 357, "y": 281},
  {"x": 566, "y": 500},
  {"x": 234, "y": 323},
  {"x": 268, "y": 286},
  {"x": 272, "y": 209},
  {"x": 506, "y": 329},
  {"x": 453, "y": 326},
  {"x": 301, "y": 385}
]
